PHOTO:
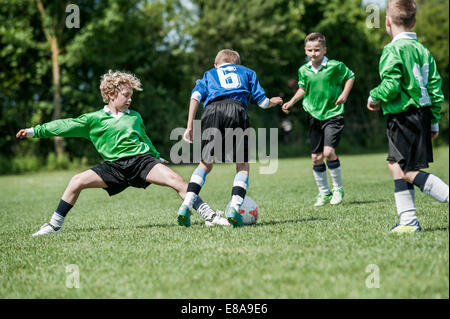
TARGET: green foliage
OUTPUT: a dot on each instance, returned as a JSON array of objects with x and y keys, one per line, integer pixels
[{"x": 168, "y": 44}]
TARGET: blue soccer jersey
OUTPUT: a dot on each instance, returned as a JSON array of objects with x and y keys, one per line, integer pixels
[{"x": 230, "y": 81}]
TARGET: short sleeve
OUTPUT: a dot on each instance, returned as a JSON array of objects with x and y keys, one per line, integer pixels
[
  {"x": 345, "y": 73},
  {"x": 301, "y": 79},
  {"x": 200, "y": 91}
]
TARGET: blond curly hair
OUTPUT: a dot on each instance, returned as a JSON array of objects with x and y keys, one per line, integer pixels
[{"x": 114, "y": 80}]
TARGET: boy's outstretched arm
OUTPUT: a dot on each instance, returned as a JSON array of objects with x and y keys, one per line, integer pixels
[
  {"x": 347, "y": 88},
  {"x": 274, "y": 101},
  {"x": 297, "y": 96},
  {"x": 188, "y": 135},
  {"x": 22, "y": 133}
]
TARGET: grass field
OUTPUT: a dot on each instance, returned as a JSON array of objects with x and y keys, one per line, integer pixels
[{"x": 129, "y": 246}]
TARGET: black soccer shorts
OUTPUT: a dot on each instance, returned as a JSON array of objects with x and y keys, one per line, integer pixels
[
  {"x": 224, "y": 122},
  {"x": 325, "y": 133},
  {"x": 409, "y": 136},
  {"x": 125, "y": 172}
]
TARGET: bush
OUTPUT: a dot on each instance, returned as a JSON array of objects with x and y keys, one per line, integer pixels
[
  {"x": 55, "y": 162},
  {"x": 25, "y": 164}
]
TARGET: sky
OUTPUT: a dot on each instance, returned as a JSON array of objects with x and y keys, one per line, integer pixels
[{"x": 381, "y": 3}]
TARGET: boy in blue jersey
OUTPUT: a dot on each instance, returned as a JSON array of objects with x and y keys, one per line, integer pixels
[{"x": 225, "y": 92}]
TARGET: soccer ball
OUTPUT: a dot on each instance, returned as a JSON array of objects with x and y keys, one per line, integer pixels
[{"x": 249, "y": 211}]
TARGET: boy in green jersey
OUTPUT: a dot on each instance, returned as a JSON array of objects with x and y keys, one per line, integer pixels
[
  {"x": 118, "y": 134},
  {"x": 410, "y": 94},
  {"x": 320, "y": 85}
]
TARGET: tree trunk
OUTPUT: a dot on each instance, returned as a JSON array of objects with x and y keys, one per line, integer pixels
[
  {"x": 57, "y": 107},
  {"x": 52, "y": 38}
]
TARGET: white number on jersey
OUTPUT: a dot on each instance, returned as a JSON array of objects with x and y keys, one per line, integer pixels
[
  {"x": 227, "y": 78},
  {"x": 421, "y": 75}
]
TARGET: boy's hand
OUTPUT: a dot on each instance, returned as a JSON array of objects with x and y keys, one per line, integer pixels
[
  {"x": 188, "y": 135},
  {"x": 164, "y": 161},
  {"x": 22, "y": 133},
  {"x": 286, "y": 107},
  {"x": 341, "y": 99},
  {"x": 373, "y": 107},
  {"x": 434, "y": 134},
  {"x": 276, "y": 101}
]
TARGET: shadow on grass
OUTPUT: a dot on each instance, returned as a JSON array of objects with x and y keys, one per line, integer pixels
[
  {"x": 363, "y": 202},
  {"x": 197, "y": 223},
  {"x": 289, "y": 221},
  {"x": 435, "y": 229},
  {"x": 100, "y": 228}
]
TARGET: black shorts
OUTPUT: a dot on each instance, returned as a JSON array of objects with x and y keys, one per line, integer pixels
[
  {"x": 124, "y": 172},
  {"x": 409, "y": 136},
  {"x": 223, "y": 131},
  {"x": 325, "y": 133}
]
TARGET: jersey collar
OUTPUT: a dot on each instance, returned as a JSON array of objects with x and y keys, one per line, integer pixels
[
  {"x": 324, "y": 63},
  {"x": 223, "y": 64},
  {"x": 405, "y": 35},
  {"x": 118, "y": 115}
]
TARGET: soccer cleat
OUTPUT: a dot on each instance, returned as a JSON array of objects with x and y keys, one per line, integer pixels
[
  {"x": 234, "y": 218},
  {"x": 217, "y": 219},
  {"x": 338, "y": 196},
  {"x": 184, "y": 216},
  {"x": 47, "y": 229},
  {"x": 323, "y": 199},
  {"x": 404, "y": 229}
]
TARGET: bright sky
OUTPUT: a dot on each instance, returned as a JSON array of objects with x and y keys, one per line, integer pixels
[{"x": 381, "y": 3}]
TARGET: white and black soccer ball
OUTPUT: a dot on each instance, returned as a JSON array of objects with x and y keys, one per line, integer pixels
[{"x": 249, "y": 211}]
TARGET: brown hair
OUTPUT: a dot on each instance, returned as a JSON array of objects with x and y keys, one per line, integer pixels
[
  {"x": 316, "y": 36},
  {"x": 402, "y": 12},
  {"x": 227, "y": 56}
]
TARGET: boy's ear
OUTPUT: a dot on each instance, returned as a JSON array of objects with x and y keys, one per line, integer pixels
[
  {"x": 388, "y": 21},
  {"x": 414, "y": 23},
  {"x": 112, "y": 95}
]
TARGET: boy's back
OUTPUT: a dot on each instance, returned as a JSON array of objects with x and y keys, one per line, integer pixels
[
  {"x": 412, "y": 74},
  {"x": 229, "y": 81}
]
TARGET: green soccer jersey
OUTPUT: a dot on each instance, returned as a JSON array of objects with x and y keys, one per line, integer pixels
[
  {"x": 113, "y": 137},
  {"x": 322, "y": 87},
  {"x": 409, "y": 77}
]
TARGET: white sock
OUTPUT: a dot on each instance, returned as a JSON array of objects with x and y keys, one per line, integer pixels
[
  {"x": 336, "y": 177},
  {"x": 320, "y": 175},
  {"x": 240, "y": 186},
  {"x": 436, "y": 188},
  {"x": 206, "y": 212},
  {"x": 190, "y": 199},
  {"x": 335, "y": 172},
  {"x": 195, "y": 184},
  {"x": 406, "y": 209},
  {"x": 57, "y": 220}
]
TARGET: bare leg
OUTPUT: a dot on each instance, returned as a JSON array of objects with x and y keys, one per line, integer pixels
[
  {"x": 397, "y": 172},
  {"x": 317, "y": 158},
  {"x": 164, "y": 176},
  {"x": 86, "y": 179},
  {"x": 329, "y": 153},
  {"x": 243, "y": 168}
]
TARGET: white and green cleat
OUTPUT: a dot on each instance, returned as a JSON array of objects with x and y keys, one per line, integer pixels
[
  {"x": 338, "y": 196},
  {"x": 323, "y": 199}
]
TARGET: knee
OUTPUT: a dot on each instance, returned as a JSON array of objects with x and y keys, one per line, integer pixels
[
  {"x": 317, "y": 159},
  {"x": 77, "y": 182},
  {"x": 329, "y": 154},
  {"x": 177, "y": 182}
]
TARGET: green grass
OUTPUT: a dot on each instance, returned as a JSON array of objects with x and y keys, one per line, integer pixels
[{"x": 129, "y": 246}]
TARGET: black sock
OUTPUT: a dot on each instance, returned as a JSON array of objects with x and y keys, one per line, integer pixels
[{"x": 63, "y": 208}]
